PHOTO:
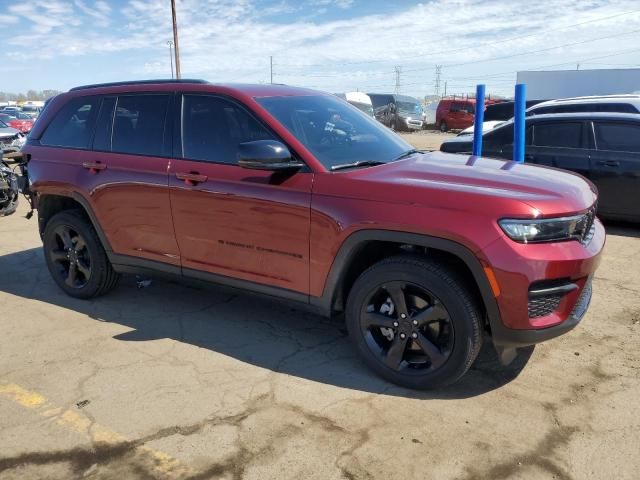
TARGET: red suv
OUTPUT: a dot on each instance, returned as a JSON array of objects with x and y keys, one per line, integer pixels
[{"x": 296, "y": 194}]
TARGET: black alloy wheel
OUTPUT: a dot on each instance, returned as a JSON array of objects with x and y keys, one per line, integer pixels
[
  {"x": 407, "y": 327},
  {"x": 71, "y": 257},
  {"x": 75, "y": 256},
  {"x": 414, "y": 321}
]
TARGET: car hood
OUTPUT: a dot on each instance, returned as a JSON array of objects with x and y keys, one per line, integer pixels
[
  {"x": 464, "y": 182},
  {"x": 8, "y": 132}
]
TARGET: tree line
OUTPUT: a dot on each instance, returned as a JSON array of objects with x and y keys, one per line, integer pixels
[{"x": 29, "y": 95}]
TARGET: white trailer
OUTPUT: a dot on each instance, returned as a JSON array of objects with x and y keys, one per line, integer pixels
[{"x": 554, "y": 84}]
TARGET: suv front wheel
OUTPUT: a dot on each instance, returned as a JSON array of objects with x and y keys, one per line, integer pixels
[
  {"x": 75, "y": 256},
  {"x": 414, "y": 322}
]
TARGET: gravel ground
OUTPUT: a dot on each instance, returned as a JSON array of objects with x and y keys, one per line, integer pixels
[{"x": 172, "y": 381}]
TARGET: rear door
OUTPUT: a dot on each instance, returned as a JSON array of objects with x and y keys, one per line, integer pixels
[
  {"x": 615, "y": 167},
  {"x": 561, "y": 144},
  {"x": 251, "y": 225},
  {"x": 129, "y": 165}
]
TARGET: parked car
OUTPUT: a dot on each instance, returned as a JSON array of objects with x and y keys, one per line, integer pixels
[
  {"x": 361, "y": 101},
  {"x": 398, "y": 112},
  {"x": 18, "y": 120},
  {"x": 486, "y": 126},
  {"x": 10, "y": 109},
  {"x": 293, "y": 193},
  {"x": 11, "y": 140},
  {"x": 32, "y": 110},
  {"x": 503, "y": 111},
  {"x": 455, "y": 113},
  {"x": 603, "y": 147},
  {"x": 429, "y": 114},
  {"x": 607, "y": 103}
]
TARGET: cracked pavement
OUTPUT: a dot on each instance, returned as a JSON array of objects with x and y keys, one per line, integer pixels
[{"x": 174, "y": 381}]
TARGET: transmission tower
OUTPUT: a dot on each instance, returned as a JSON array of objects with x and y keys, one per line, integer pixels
[
  {"x": 437, "y": 84},
  {"x": 398, "y": 70}
]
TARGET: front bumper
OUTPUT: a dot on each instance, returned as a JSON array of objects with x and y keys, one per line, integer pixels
[{"x": 518, "y": 268}]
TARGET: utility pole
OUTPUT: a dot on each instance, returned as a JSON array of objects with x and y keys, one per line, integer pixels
[
  {"x": 578, "y": 67},
  {"x": 170, "y": 43},
  {"x": 437, "y": 84},
  {"x": 398, "y": 70},
  {"x": 271, "y": 68},
  {"x": 445, "y": 88},
  {"x": 175, "y": 38}
]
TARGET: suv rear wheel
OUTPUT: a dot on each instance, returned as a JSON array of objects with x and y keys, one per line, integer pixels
[
  {"x": 414, "y": 322},
  {"x": 443, "y": 126},
  {"x": 75, "y": 257}
]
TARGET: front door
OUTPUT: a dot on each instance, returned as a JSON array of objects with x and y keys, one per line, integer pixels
[
  {"x": 615, "y": 168},
  {"x": 251, "y": 225}
]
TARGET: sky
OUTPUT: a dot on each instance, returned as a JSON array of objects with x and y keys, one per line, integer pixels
[{"x": 331, "y": 45}]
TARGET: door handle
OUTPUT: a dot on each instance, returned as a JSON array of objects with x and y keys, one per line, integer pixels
[
  {"x": 609, "y": 163},
  {"x": 191, "y": 178},
  {"x": 94, "y": 167},
  {"x": 528, "y": 157}
]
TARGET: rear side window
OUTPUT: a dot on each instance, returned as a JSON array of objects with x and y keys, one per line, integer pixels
[
  {"x": 212, "y": 129},
  {"x": 73, "y": 125},
  {"x": 620, "y": 137},
  {"x": 567, "y": 135},
  {"x": 138, "y": 126}
]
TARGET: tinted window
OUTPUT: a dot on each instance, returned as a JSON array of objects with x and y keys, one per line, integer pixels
[
  {"x": 73, "y": 125},
  {"x": 102, "y": 137},
  {"x": 334, "y": 131},
  {"x": 620, "y": 137},
  {"x": 212, "y": 129},
  {"x": 568, "y": 135},
  {"x": 138, "y": 126}
]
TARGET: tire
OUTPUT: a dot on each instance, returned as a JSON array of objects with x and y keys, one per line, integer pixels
[
  {"x": 445, "y": 345},
  {"x": 393, "y": 126},
  {"x": 94, "y": 275},
  {"x": 444, "y": 127}
]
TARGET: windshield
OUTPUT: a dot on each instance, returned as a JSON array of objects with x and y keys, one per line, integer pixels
[
  {"x": 334, "y": 131},
  {"x": 410, "y": 108}
]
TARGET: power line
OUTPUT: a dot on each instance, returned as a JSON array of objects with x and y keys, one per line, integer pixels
[{"x": 476, "y": 45}]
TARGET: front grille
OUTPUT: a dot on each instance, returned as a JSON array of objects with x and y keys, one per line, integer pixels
[{"x": 544, "y": 305}]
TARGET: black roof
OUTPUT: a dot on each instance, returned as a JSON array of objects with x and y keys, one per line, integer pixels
[{"x": 139, "y": 82}]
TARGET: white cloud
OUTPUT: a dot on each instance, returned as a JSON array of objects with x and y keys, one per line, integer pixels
[{"x": 225, "y": 40}]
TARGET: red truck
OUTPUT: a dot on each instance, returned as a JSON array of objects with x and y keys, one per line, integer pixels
[{"x": 296, "y": 194}]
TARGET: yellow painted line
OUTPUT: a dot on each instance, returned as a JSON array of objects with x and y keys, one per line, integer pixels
[{"x": 164, "y": 464}]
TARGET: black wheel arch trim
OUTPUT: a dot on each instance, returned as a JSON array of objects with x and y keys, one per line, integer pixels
[
  {"x": 350, "y": 247},
  {"x": 84, "y": 203}
]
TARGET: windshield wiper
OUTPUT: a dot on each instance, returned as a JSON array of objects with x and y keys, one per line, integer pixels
[
  {"x": 406, "y": 154},
  {"x": 362, "y": 163}
]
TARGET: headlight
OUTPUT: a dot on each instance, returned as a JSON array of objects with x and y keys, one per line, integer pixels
[{"x": 547, "y": 229}]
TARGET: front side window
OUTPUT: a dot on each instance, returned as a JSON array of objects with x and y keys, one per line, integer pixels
[
  {"x": 333, "y": 131},
  {"x": 567, "y": 135},
  {"x": 620, "y": 137},
  {"x": 213, "y": 128},
  {"x": 138, "y": 126},
  {"x": 73, "y": 125}
]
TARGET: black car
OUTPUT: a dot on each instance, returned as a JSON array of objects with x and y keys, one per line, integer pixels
[
  {"x": 604, "y": 147},
  {"x": 503, "y": 111}
]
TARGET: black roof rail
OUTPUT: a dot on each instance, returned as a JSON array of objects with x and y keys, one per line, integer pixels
[{"x": 138, "y": 82}]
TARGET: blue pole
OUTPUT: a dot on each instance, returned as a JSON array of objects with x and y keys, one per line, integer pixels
[
  {"x": 478, "y": 121},
  {"x": 519, "y": 122}
]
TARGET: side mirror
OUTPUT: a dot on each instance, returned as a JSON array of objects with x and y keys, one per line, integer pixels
[{"x": 266, "y": 155}]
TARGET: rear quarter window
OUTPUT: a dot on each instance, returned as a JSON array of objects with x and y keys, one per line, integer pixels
[
  {"x": 72, "y": 126},
  {"x": 620, "y": 137}
]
